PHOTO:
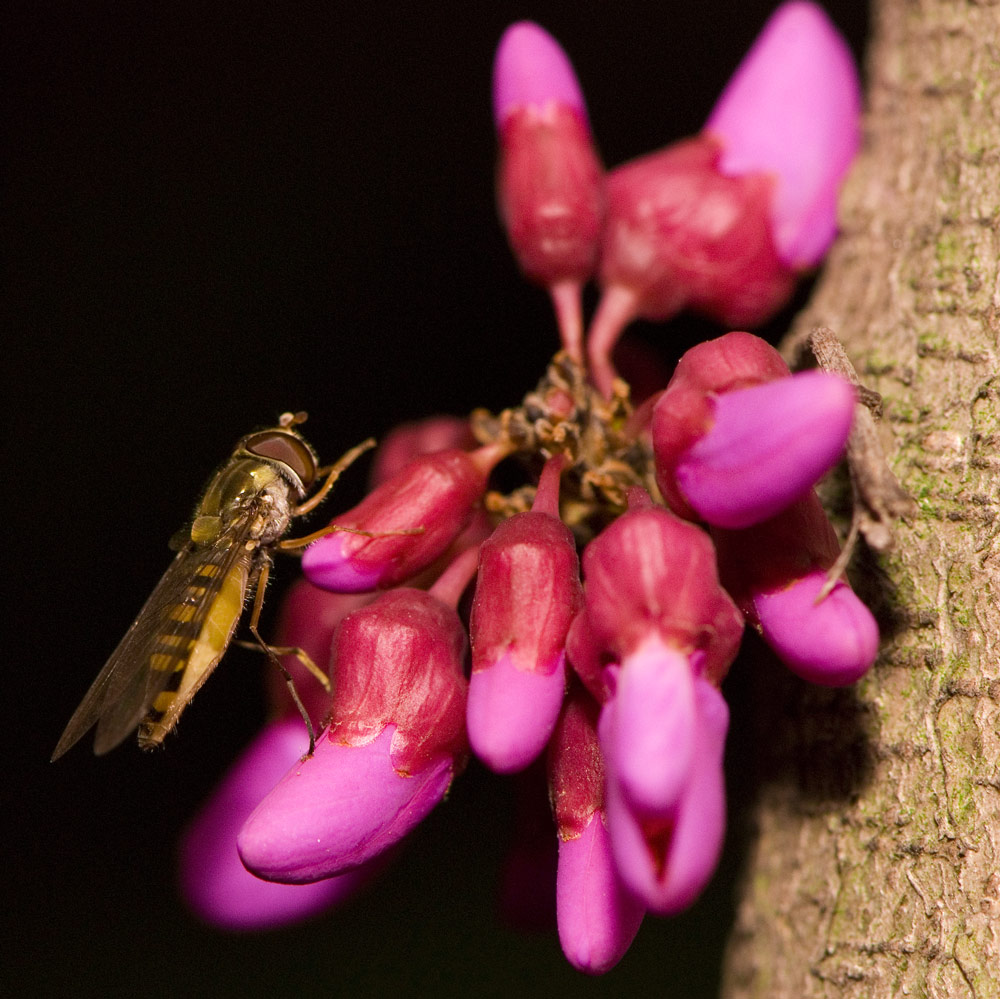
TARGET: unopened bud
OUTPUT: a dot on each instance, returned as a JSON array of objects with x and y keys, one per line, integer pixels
[
  {"x": 407, "y": 521},
  {"x": 776, "y": 571},
  {"x": 527, "y": 592},
  {"x": 666, "y": 857},
  {"x": 549, "y": 179},
  {"x": 792, "y": 112},
  {"x": 597, "y": 916},
  {"x": 396, "y": 739}
]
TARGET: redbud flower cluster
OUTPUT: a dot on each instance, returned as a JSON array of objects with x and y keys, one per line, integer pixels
[{"x": 610, "y": 592}]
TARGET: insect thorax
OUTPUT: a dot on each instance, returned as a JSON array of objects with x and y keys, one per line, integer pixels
[{"x": 245, "y": 489}]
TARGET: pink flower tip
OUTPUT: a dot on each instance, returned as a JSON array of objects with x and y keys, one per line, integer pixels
[
  {"x": 647, "y": 728},
  {"x": 666, "y": 858},
  {"x": 339, "y": 809},
  {"x": 596, "y": 916},
  {"x": 792, "y": 110},
  {"x": 327, "y": 563},
  {"x": 511, "y": 712},
  {"x": 219, "y": 889},
  {"x": 532, "y": 70},
  {"x": 767, "y": 446},
  {"x": 833, "y": 642}
]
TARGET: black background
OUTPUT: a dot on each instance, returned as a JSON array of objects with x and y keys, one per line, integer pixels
[{"x": 212, "y": 214}]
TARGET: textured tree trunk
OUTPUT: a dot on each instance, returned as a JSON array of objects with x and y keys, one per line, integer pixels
[{"x": 874, "y": 865}]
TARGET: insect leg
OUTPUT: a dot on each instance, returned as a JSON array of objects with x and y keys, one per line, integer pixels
[
  {"x": 258, "y": 603},
  {"x": 335, "y": 472},
  {"x": 291, "y": 544},
  {"x": 304, "y": 658},
  {"x": 299, "y": 653}
]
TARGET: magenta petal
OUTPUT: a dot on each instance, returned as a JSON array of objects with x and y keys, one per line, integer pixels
[
  {"x": 597, "y": 918},
  {"x": 667, "y": 860},
  {"x": 767, "y": 446},
  {"x": 647, "y": 728},
  {"x": 511, "y": 712},
  {"x": 792, "y": 109},
  {"x": 216, "y": 885},
  {"x": 833, "y": 642},
  {"x": 531, "y": 69},
  {"x": 338, "y": 809},
  {"x": 326, "y": 565}
]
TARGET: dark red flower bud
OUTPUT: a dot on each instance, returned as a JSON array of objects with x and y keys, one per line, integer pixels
[
  {"x": 679, "y": 234},
  {"x": 597, "y": 917},
  {"x": 433, "y": 498},
  {"x": 776, "y": 571},
  {"x": 527, "y": 592},
  {"x": 400, "y": 661},
  {"x": 650, "y": 572}
]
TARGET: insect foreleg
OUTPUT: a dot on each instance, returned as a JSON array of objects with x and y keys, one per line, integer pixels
[
  {"x": 334, "y": 473},
  {"x": 291, "y": 544}
]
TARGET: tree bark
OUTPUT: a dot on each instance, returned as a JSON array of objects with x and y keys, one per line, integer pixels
[{"x": 874, "y": 866}]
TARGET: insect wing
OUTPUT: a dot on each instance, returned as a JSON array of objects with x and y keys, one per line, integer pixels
[{"x": 156, "y": 645}]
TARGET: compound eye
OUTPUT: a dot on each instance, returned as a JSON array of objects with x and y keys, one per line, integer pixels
[{"x": 286, "y": 447}]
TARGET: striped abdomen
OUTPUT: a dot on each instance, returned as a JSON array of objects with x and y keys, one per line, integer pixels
[{"x": 195, "y": 633}]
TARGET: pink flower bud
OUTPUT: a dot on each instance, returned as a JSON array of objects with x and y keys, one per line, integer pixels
[
  {"x": 596, "y": 915},
  {"x": 775, "y": 571},
  {"x": 531, "y": 70},
  {"x": 833, "y": 641},
  {"x": 651, "y": 573},
  {"x": 512, "y": 712},
  {"x": 396, "y": 739},
  {"x": 549, "y": 180},
  {"x": 434, "y": 495},
  {"x": 680, "y": 234},
  {"x": 597, "y": 918},
  {"x": 527, "y": 592},
  {"x": 684, "y": 413},
  {"x": 735, "y": 456},
  {"x": 401, "y": 661},
  {"x": 214, "y": 882},
  {"x": 666, "y": 857},
  {"x": 792, "y": 112},
  {"x": 339, "y": 809}
]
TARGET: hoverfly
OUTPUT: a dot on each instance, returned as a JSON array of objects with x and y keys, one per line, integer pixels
[{"x": 188, "y": 622}]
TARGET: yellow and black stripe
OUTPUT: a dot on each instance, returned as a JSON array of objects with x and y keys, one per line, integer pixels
[
  {"x": 192, "y": 637},
  {"x": 179, "y": 634}
]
